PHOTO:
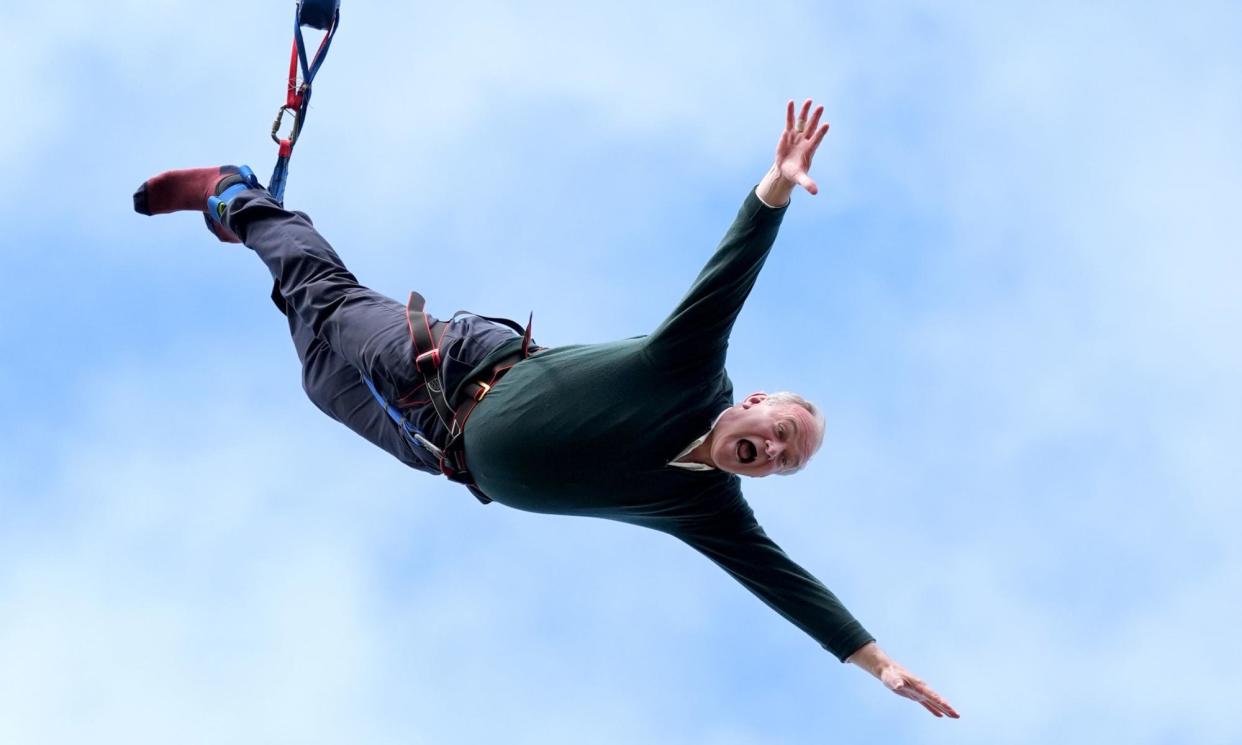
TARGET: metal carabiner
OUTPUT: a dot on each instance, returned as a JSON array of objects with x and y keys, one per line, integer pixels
[{"x": 280, "y": 117}]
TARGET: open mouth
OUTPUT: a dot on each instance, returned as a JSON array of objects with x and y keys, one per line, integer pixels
[{"x": 746, "y": 452}]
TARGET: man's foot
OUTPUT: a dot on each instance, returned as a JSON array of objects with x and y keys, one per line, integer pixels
[{"x": 206, "y": 190}]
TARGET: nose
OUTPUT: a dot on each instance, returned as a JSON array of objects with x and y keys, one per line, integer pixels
[{"x": 773, "y": 448}]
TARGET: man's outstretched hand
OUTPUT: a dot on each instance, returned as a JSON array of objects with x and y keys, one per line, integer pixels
[
  {"x": 900, "y": 680},
  {"x": 794, "y": 152}
]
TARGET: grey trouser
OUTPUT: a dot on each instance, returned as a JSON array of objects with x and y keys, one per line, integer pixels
[{"x": 343, "y": 330}]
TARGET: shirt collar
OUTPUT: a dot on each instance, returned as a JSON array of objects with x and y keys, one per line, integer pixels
[{"x": 691, "y": 466}]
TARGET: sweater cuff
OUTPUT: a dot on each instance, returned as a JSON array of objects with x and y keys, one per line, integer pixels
[
  {"x": 754, "y": 205},
  {"x": 848, "y": 641},
  {"x": 769, "y": 206}
]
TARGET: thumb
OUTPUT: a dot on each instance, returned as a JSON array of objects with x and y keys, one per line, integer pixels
[{"x": 807, "y": 183}]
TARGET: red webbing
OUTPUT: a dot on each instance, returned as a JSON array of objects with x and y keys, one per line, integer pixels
[{"x": 292, "y": 98}]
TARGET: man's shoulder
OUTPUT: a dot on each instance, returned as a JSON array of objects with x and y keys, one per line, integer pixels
[{"x": 704, "y": 495}]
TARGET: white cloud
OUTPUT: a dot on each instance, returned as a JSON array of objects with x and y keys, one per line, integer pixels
[{"x": 1034, "y": 409}]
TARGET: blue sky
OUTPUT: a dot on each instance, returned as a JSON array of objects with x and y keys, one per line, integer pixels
[{"x": 1015, "y": 297}]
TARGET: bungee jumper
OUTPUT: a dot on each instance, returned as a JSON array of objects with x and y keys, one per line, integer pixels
[{"x": 643, "y": 430}]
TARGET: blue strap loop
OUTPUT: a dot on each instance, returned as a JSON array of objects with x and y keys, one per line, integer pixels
[{"x": 309, "y": 72}]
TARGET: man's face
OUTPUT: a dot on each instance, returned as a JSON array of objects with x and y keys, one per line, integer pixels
[{"x": 755, "y": 438}]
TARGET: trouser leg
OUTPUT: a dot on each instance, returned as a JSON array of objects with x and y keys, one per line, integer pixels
[
  {"x": 336, "y": 388},
  {"x": 366, "y": 329}
]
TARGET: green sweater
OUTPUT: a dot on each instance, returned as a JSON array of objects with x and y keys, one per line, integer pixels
[{"x": 589, "y": 430}]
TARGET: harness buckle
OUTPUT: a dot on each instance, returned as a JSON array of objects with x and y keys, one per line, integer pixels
[
  {"x": 433, "y": 355},
  {"x": 484, "y": 389}
]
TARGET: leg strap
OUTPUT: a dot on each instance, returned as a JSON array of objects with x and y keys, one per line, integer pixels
[{"x": 453, "y": 415}]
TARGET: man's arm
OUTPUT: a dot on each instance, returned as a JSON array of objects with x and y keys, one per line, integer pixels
[
  {"x": 696, "y": 334},
  {"x": 697, "y": 331},
  {"x": 734, "y": 541}
]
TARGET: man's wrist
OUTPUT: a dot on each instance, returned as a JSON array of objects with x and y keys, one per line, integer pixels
[
  {"x": 774, "y": 190},
  {"x": 870, "y": 658}
]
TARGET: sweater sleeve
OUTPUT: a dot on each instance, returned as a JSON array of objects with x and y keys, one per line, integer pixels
[
  {"x": 697, "y": 331},
  {"x": 737, "y": 544}
]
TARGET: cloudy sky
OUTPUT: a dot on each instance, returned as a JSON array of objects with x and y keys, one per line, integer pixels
[{"x": 1015, "y": 296}]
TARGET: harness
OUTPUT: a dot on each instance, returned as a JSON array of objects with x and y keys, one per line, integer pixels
[{"x": 453, "y": 410}]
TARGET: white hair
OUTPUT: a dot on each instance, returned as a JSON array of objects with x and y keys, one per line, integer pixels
[{"x": 786, "y": 398}]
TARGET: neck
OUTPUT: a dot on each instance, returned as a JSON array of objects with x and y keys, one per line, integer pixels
[{"x": 703, "y": 453}]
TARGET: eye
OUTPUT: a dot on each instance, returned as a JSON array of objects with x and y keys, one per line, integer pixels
[{"x": 780, "y": 431}]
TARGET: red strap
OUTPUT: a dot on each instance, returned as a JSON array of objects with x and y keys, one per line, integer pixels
[{"x": 292, "y": 97}]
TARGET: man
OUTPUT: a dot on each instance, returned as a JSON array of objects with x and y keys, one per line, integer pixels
[{"x": 641, "y": 430}]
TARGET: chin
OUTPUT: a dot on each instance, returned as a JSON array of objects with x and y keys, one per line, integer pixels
[{"x": 725, "y": 461}]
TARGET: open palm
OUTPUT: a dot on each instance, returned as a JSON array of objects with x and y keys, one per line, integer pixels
[{"x": 798, "y": 143}]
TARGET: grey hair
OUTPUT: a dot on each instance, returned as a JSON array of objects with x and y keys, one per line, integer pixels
[{"x": 785, "y": 398}]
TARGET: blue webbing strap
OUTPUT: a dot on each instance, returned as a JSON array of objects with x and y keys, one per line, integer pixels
[
  {"x": 276, "y": 185},
  {"x": 411, "y": 433}
]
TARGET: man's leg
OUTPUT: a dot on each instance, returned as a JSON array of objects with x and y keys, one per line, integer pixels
[
  {"x": 340, "y": 329},
  {"x": 336, "y": 388},
  {"x": 366, "y": 329}
]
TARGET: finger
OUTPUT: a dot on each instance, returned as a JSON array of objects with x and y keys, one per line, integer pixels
[
  {"x": 785, "y": 145},
  {"x": 935, "y": 698},
  {"x": 931, "y": 708},
  {"x": 819, "y": 137},
  {"x": 801, "y": 126},
  {"x": 814, "y": 123},
  {"x": 943, "y": 708},
  {"x": 789, "y": 119},
  {"x": 808, "y": 183}
]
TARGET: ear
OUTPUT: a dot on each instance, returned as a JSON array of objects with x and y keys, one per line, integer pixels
[{"x": 753, "y": 399}]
